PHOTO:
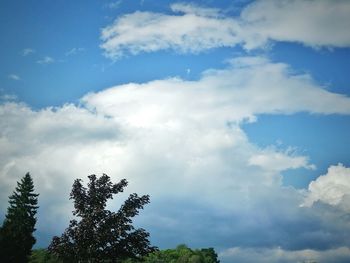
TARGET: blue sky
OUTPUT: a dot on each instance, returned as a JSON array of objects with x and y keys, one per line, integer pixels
[{"x": 234, "y": 114}]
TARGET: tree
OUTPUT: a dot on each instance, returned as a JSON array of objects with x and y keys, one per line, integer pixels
[
  {"x": 16, "y": 234},
  {"x": 102, "y": 235},
  {"x": 182, "y": 254}
]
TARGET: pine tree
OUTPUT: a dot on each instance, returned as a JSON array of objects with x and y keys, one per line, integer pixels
[
  {"x": 16, "y": 234},
  {"x": 101, "y": 235}
]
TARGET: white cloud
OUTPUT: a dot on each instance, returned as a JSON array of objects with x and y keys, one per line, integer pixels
[
  {"x": 27, "y": 51},
  {"x": 313, "y": 23},
  {"x": 149, "y": 32},
  {"x": 195, "y": 29},
  {"x": 273, "y": 159},
  {"x": 46, "y": 60},
  {"x": 175, "y": 140},
  {"x": 188, "y": 8},
  {"x": 277, "y": 255},
  {"x": 55, "y": 136},
  {"x": 238, "y": 92},
  {"x": 14, "y": 77},
  {"x": 196, "y": 113},
  {"x": 332, "y": 188}
]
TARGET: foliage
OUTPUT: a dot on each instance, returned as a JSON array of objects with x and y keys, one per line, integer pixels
[
  {"x": 16, "y": 234},
  {"x": 182, "y": 254},
  {"x": 102, "y": 235},
  {"x": 42, "y": 256}
]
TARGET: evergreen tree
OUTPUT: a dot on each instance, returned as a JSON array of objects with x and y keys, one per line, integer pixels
[
  {"x": 16, "y": 234},
  {"x": 102, "y": 235}
]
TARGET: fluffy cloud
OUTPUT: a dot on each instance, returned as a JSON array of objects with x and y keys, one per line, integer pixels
[
  {"x": 147, "y": 32},
  {"x": 242, "y": 255},
  {"x": 313, "y": 23},
  {"x": 234, "y": 94},
  {"x": 181, "y": 142},
  {"x": 279, "y": 161},
  {"x": 332, "y": 188},
  {"x": 194, "y": 29}
]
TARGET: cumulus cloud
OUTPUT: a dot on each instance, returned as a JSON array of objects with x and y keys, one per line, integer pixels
[
  {"x": 241, "y": 91},
  {"x": 332, "y": 188},
  {"x": 194, "y": 29},
  {"x": 280, "y": 161},
  {"x": 313, "y": 23},
  {"x": 277, "y": 255},
  {"x": 43, "y": 141},
  {"x": 181, "y": 142}
]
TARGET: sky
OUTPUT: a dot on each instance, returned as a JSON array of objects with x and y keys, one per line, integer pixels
[{"x": 234, "y": 116}]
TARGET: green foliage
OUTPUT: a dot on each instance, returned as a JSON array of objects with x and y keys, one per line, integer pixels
[
  {"x": 16, "y": 234},
  {"x": 102, "y": 235},
  {"x": 43, "y": 256},
  {"x": 182, "y": 254}
]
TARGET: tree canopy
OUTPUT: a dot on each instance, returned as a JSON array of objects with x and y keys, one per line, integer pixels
[
  {"x": 16, "y": 234},
  {"x": 182, "y": 254},
  {"x": 101, "y": 235}
]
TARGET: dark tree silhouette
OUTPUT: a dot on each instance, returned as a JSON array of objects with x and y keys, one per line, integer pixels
[
  {"x": 102, "y": 235},
  {"x": 16, "y": 234}
]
